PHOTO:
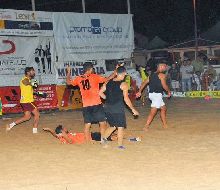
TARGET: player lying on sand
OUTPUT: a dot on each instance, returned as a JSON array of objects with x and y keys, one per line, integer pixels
[{"x": 67, "y": 137}]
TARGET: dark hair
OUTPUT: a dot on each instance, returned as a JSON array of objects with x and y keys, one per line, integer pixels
[
  {"x": 161, "y": 63},
  {"x": 59, "y": 129},
  {"x": 87, "y": 66},
  {"x": 121, "y": 70},
  {"x": 28, "y": 69}
]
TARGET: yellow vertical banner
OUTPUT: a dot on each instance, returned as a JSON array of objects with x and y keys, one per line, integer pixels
[
  {"x": 68, "y": 97},
  {"x": 2, "y": 24}
]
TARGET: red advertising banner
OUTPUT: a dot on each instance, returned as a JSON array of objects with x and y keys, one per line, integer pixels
[
  {"x": 50, "y": 102},
  {"x": 10, "y": 96},
  {"x": 10, "y": 99},
  {"x": 68, "y": 97}
]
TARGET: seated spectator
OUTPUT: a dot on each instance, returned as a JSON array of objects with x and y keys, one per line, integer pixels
[
  {"x": 208, "y": 78},
  {"x": 186, "y": 71},
  {"x": 196, "y": 79}
]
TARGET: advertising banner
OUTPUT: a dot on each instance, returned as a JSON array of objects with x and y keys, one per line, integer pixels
[
  {"x": 77, "y": 69},
  {"x": 16, "y": 53},
  {"x": 202, "y": 94},
  {"x": 68, "y": 97},
  {"x": 92, "y": 36},
  {"x": 10, "y": 97},
  {"x": 25, "y": 23}
]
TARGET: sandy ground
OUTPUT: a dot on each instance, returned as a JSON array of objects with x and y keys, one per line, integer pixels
[{"x": 186, "y": 156}]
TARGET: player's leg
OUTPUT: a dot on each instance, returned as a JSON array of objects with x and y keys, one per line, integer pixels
[
  {"x": 98, "y": 115},
  {"x": 87, "y": 132},
  {"x": 36, "y": 119},
  {"x": 154, "y": 106},
  {"x": 163, "y": 112},
  {"x": 108, "y": 132},
  {"x": 103, "y": 126},
  {"x": 26, "y": 117},
  {"x": 87, "y": 115},
  {"x": 150, "y": 118},
  {"x": 120, "y": 137}
]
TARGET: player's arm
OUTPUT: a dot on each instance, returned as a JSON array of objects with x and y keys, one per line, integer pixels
[
  {"x": 68, "y": 77},
  {"x": 64, "y": 135},
  {"x": 69, "y": 81},
  {"x": 113, "y": 75},
  {"x": 143, "y": 85},
  {"x": 102, "y": 90},
  {"x": 50, "y": 131},
  {"x": 124, "y": 87},
  {"x": 26, "y": 82},
  {"x": 164, "y": 83}
]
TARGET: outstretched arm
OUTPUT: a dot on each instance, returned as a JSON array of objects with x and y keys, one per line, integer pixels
[
  {"x": 114, "y": 73},
  {"x": 127, "y": 100},
  {"x": 164, "y": 83},
  {"x": 50, "y": 131},
  {"x": 143, "y": 84},
  {"x": 68, "y": 77}
]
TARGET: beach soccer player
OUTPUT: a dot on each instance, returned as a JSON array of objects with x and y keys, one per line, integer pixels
[
  {"x": 157, "y": 85},
  {"x": 93, "y": 111},
  {"x": 67, "y": 137},
  {"x": 115, "y": 93},
  {"x": 27, "y": 100}
]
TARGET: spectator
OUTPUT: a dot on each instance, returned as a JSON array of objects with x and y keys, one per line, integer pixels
[
  {"x": 198, "y": 65},
  {"x": 211, "y": 72},
  {"x": 209, "y": 78},
  {"x": 186, "y": 71},
  {"x": 217, "y": 83},
  {"x": 174, "y": 76},
  {"x": 196, "y": 80}
]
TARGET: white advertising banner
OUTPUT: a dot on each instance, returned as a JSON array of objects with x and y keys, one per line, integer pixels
[
  {"x": 25, "y": 23},
  {"x": 77, "y": 69},
  {"x": 92, "y": 36},
  {"x": 16, "y": 53}
]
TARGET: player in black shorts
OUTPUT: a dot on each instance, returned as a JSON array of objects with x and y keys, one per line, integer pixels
[{"x": 115, "y": 92}]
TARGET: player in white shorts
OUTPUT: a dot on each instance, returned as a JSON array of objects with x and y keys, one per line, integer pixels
[{"x": 157, "y": 84}]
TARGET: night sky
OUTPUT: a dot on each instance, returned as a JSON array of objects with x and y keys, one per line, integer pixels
[{"x": 172, "y": 20}]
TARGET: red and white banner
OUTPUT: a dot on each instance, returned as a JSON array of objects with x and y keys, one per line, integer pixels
[
  {"x": 16, "y": 53},
  {"x": 10, "y": 97}
]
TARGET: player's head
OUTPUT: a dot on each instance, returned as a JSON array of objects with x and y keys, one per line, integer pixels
[
  {"x": 121, "y": 72},
  {"x": 161, "y": 67},
  {"x": 59, "y": 129},
  {"x": 174, "y": 65},
  {"x": 29, "y": 72},
  {"x": 88, "y": 67}
]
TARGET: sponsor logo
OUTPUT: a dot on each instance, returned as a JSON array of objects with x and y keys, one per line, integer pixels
[
  {"x": 95, "y": 28},
  {"x": 10, "y": 50},
  {"x": 5, "y": 16},
  {"x": 23, "y": 16}
]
